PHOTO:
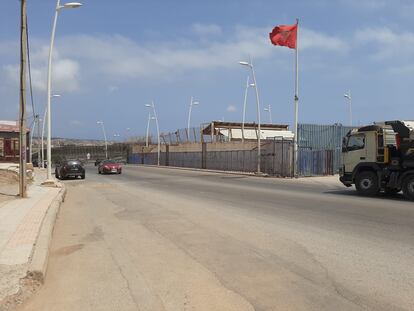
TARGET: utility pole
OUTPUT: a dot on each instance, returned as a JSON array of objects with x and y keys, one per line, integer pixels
[{"x": 22, "y": 110}]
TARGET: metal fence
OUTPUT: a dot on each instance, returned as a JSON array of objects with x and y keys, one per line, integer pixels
[
  {"x": 319, "y": 153},
  {"x": 182, "y": 136},
  {"x": 315, "y": 162},
  {"x": 315, "y": 139},
  {"x": 276, "y": 159},
  {"x": 95, "y": 152}
]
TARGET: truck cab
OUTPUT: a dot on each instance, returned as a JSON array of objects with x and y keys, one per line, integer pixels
[{"x": 380, "y": 157}]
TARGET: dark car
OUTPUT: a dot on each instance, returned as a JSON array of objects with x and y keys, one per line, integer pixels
[
  {"x": 70, "y": 168},
  {"x": 36, "y": 163},
  {"x": 109, "y": 167},
  {"x": 98, "y": 161}
]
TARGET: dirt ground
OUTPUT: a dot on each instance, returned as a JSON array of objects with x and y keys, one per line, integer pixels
[{"x": 9, "y": 186}]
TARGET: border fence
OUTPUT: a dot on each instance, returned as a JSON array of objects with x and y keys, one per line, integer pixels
[
  {"x": 120, "y": 151},
  {"x": 320, "y": 148},
  {"x": 275, "y": 160},
  {"x": 319, "y": 152},
  {"x": 193, "y": 135}
]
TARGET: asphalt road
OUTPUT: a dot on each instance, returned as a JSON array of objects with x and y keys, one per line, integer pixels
[{"x": 165, "y": 239}]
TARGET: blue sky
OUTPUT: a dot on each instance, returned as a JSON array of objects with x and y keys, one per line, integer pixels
[{"x": 113, "y": 57}]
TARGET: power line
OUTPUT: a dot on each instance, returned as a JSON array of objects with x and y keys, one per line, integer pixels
[{"x": 29, "y": 71}]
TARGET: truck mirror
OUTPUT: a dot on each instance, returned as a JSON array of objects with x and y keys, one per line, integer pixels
[{"x": 344, "y": 145}]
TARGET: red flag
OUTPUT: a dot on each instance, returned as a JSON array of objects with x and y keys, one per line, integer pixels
[{"x": 284, "y": 35}]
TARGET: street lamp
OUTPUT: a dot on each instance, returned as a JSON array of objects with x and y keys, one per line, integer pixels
[
  {"x": 35, "y": 121},
  {"x": 69, "y": 5},
  {"x": 269, "y": 109},
  {"x": 192, "y": 103},
  {"x": 248, "y": 85},
  {"x": 152, "y": 105},
  {"x": 104, "y": 133},
  {"x": 127, "y": 133},
  {"x": 349, "y": 98},
  {"x": 250, "y": 65},
  {"x": 43, "y": 132},
  {"x": 148, "y": 125}
]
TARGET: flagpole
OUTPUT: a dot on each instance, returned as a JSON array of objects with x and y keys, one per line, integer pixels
[{"x": 295, "y": 152}]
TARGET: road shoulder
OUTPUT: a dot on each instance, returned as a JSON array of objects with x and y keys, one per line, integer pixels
[{"x": 26, "y": 227}]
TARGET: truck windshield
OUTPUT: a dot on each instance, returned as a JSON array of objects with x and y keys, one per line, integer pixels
[{"x": 356, "y": 142}]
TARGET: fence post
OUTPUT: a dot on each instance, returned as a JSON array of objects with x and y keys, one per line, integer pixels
[
  {"x": 282, "y": 171},
  {"x": 167, "y": 155},
  {"x": 203, "y": 155}
]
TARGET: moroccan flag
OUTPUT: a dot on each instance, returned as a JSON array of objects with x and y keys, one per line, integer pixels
[{"x": 284, "y": 35}]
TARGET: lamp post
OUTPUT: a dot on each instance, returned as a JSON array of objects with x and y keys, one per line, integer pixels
[
  {"x": 192, "y": 103},
  {"x": 349, "y": 98},
  {"x": 248, "y": 85},
  {"x": 152, "y": 105},
  {"x": 69, "y": 5},
  {"x": 250, "y": 65},
  {"x": 35, "y": 121},
  {"x": 104, "y": 133},
  {"x": 148, "y": 125},
  {"x": 127, "y": 133},
  {"x": 43, "y": 132},
  {"x": 269, "y": 109}
]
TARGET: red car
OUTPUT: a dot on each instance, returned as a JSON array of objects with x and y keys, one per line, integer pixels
[{"x": 109, "y": 167}]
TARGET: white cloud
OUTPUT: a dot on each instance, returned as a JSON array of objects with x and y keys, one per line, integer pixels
[
  {"x": 121, "y": 57},
  {"x": 113, "y": 88},
  {"x": 115, "y": 57},
  {"x": 309, "y": 39},
  {"x": 206, "y": 30},
  {"x": 75, "y": 123},
  {"x": 65, "y": 72},
  {"x": 388, "y": 44},
  {"x": 366, "y": 4},
  {"x": 231, "y": 108}
]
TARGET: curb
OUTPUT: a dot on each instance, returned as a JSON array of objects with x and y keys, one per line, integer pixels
[{"x": 39, "y": 260}]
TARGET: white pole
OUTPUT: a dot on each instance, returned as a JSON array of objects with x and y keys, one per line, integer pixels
[
  {"x": 106, "y": 141},
  {"x": 158, "y": 133},
  {"x": 43, "y": 133},
  {"x": 350, "y": 108},
  {"x": 31, "y": 137},
  {"x": 295, "y": 153},
  {"x": 189, "y": 119},
  {"x": 269, "y": 109},
  {"x": 258, "y": 119},
  {"x": 270, "y": 114},
  {"x": 148, "y": 125},
  {"x": 244, "y": 106},
  {"x": 49, "y": 87}
]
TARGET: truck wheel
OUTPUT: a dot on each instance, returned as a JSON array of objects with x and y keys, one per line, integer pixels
[
  {"x": 408, "y": 187},
  {"x": 366, "y": 183}
]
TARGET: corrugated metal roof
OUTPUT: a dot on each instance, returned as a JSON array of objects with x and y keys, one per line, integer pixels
[
  {"x": 238, "y": 125},
  {"x": 10, "y": 127},
  {"x": 252, "y": 134}
]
